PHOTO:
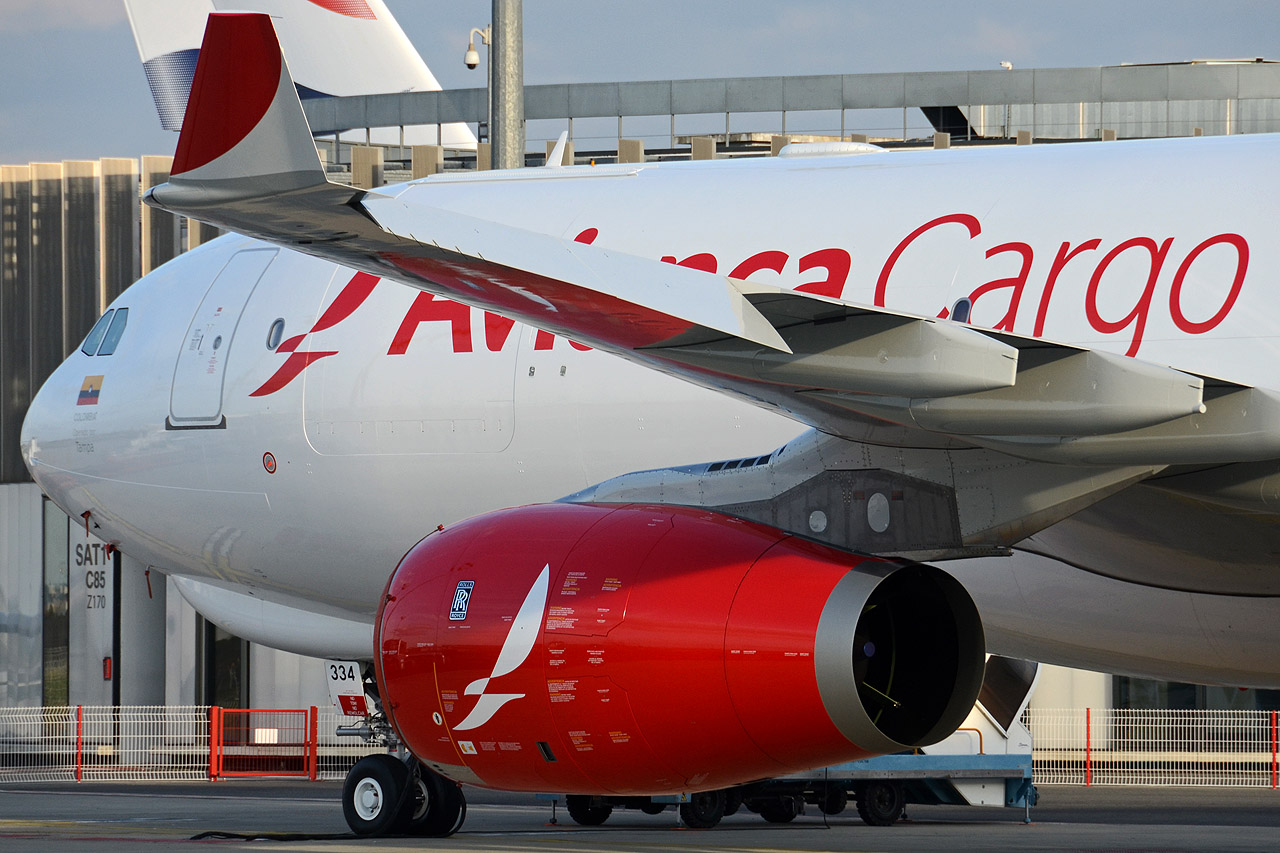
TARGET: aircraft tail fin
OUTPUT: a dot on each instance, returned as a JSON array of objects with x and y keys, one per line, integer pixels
[
  {"x": 168, "y": 38},
  {"x": 343, "y": 47},
  {"x": 244, "y": 134},
  {"x": 335, "y": 47}
]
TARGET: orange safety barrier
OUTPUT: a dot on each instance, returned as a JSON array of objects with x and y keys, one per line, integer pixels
[
  {"x": 79, "y": 742},
  {"x": 1088, "y": 747},
  {"x": 263, "y": 742}
]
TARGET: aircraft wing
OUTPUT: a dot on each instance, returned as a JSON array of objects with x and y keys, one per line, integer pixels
[{"x": 248, "y": 163}]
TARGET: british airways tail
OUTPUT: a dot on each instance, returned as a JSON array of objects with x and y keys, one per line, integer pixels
[
  {"x": 168, "y": 38},
  {"x": 335, "y": 47}
]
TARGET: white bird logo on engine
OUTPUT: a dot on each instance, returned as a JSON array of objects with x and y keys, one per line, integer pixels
[{"x": 515, "y": 651}]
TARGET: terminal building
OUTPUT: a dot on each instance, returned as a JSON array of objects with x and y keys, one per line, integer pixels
[{"x": 81, "y": 624}]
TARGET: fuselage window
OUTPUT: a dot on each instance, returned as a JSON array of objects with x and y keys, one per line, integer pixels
[
  {"x": 95, "y": 335},
  {"x": 114, "y": 332},
  {"x": 275, "y": 334}
]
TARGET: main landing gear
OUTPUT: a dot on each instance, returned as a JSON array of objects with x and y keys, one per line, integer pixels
[{"x": 385, "y": 796}]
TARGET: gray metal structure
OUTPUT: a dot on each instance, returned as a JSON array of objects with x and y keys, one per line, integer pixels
[
  {"x": 1136, "y": 100},
  {"x": 21, "y": 595},
  {"x": 15, "y": 315}
]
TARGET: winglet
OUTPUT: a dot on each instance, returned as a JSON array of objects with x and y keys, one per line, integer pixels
[
  {"x": 555, "y": 160},
  {"x": 244, "y": 134}
]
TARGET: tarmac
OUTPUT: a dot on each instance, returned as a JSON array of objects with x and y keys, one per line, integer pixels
[{"x": 292, "y": 816}]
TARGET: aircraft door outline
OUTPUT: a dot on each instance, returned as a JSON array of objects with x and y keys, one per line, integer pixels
[{"x": 195, "y": 400}]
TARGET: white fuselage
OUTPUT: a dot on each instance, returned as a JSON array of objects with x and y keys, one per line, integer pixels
[
  {"x": 371, "y": 450},
  {"x": 396, "y": 411}
]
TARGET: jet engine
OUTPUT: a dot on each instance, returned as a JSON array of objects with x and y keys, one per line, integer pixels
[{"x": 645, "y": 650}]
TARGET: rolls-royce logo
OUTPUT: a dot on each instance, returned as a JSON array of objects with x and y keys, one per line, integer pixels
[{"x": 461, "y": 600}]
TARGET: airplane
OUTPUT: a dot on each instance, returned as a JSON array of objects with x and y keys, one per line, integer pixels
[{"x": 1043, "y": 368}]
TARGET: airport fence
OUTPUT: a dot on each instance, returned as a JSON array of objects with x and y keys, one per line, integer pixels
[
  {"x": 1116, "y": 746},
  {"x": 1078, "y": 746},
  {"x": 149, "y": 742}
]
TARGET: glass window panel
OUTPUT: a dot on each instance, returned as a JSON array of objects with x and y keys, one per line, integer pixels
[
  {"x": 95, "y": 334},
  {"x": 114, "y": 332}
]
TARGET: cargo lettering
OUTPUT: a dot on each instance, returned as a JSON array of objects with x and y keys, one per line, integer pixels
[{"x": 1151, "y": 256}]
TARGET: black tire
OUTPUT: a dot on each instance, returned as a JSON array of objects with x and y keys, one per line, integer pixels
[
  {"x": 653, "y": 808},
  {"x": 780, "y": 809},
  {"x": 704, "y": 810},
  {"x": 435, "y": 806},
  {"x": 832, "y": 800},
  {"x": 732, "y": 801},
  {"x": 371, "y": 794},
  {"x": 584, "y": 813},
  {"x": 880, "y": 803}
]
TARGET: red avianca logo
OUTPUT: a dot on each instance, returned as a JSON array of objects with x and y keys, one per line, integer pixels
[
  {"x": 351, "y": 298},
  {"x": 425, "y": 308}
]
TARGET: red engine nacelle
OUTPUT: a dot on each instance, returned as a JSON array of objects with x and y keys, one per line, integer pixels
[{"x": 639, "y": 650}]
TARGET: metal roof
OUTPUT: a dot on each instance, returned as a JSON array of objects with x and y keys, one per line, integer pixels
[{"x": 1108, "y": 84}]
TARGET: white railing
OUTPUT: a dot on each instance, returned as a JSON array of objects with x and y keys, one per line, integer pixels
[
  {"x": 142, "y": 742},
  {"x": 1078, "y": 746},
  {"x": 91, "y": 742},
  {"x": 1093, "y": 746}
]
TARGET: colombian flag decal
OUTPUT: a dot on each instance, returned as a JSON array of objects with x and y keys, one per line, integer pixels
[{"x": 89, "y": 391}]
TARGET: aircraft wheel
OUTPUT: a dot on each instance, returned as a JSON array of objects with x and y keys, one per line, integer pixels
[
  {"x": 703, "y": 810},
  {"x": 584, "y": 813},
  {"x": 436, "y": 806},
  {"x": 654, "y": 808},
  {"x": 781, "y": 809},
  {"x": 732, "y": 801},
  {"x": 371, "y": 794},
  {"x": 880, "y": 803},
  {"x": 833, "y": 800}
]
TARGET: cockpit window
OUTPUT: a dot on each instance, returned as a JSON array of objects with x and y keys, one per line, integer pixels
[
  {"x": 95, "y": 335},
  {"x": 114, "y": 332}
]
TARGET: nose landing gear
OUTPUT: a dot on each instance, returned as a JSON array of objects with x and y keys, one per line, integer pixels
[{"x": 384, "y": 796}]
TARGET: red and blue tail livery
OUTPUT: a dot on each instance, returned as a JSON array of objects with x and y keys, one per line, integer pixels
[{"x": 350, "y": 8}]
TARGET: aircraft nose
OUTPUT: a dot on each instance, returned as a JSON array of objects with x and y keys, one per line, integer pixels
[
  {"x": 47, "y": 429},
  {"x": 62, "y": 434}
]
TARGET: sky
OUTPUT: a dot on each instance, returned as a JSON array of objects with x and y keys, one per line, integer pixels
[{"x": 72, "y": 87}]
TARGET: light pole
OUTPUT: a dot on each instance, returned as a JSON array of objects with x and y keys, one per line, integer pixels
[
  {"x": 505, "y": 88},
  {"x": 1007, "y": 66},
  {"x": 506, "y": 123},
  {"x": 471, "y": 59}
]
